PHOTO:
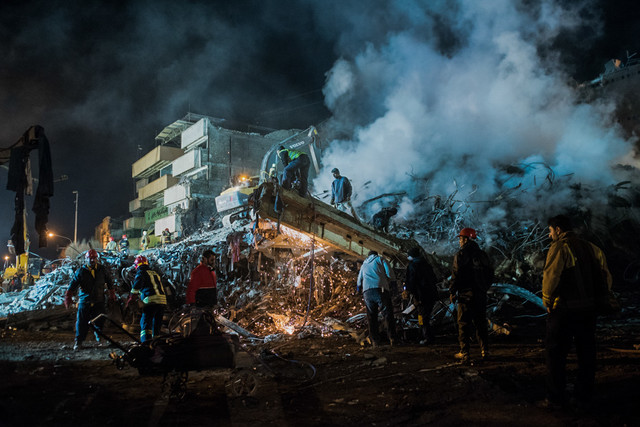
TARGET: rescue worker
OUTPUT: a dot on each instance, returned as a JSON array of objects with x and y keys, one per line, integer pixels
[
  {"x": 573, "y": 271},
  {"x": 166, "y": 237},
  {"x": 382, "y": 219},
  {"x": 148, "y": 284},
  {"x": 91, "y": 280},
  {"x": 471, "y": 277},
  {"x": 124, "y": 245},
  {"x": 144, "y": 241},
  {"x": 112, "y": 246},
  {"x": 295, "y": 162},
  {"x": 341, "y": 194},
  {"x": 421, "y": 283},
  {"x": 374, "y": 281},
  {"x": 203, "y": 277}
]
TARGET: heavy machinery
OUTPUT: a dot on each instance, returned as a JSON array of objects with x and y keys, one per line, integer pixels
[{"x": 233, "y": 202}]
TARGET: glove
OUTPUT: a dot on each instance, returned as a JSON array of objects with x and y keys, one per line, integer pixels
[
  {"x": 112, "y": 294},
  {"x": 132, "y": 298},
  {"x": 405, "y": 294},
  {"x": 68, "y": 301}
]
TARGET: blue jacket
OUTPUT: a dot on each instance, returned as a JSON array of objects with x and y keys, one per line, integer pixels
[
  {"x": 91, "y": 285},
  {"x": 148, "y": 284},
  {"x": 375, "y": 273},
  {"x": 340, "y": 190}
]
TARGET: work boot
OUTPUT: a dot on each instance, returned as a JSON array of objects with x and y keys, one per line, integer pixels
[{"x": 77, "y": 346}]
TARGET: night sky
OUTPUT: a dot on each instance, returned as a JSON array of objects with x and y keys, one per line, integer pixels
[{"x": 104, "y": 78}]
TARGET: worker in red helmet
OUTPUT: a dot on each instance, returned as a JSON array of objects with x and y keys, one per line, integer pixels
[
  {"x": 166, "y": 237},
  {"x": 91, "y": 280},
  {"x": 148, "y": 285},
  {"x": 471, "y": 277},
  {"x": 124, "y": 245}
]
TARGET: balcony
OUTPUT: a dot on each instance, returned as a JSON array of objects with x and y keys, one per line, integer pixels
[
  {"x": 195, "y": 135},
  {"x": 138, "y": 206},
  {"x": 155, "y": 189},
  {"x": 154, "y": 160},
  {"x": 188, "y": 162},
  {"x": 134, "y": 222},
  {"x": 175, "y": 194}
]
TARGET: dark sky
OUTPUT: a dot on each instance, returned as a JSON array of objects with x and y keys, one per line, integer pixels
[{"x": 103, "y": 78}]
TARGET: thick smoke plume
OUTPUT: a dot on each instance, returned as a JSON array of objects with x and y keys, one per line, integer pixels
[{"x": 461, "y": 100}]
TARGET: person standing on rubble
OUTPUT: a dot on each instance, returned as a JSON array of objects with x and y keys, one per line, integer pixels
[
  {"x": 112, "y": 246},
  {"x": 374, "y": 281},
  {"x": 295, "y": 162},
  {"x": 144, "y": 241},
  {"x": 573, "y": 272},
  {"x": 124, "y": 245},
  {"x": 91, "y": 280},
  {"x": 148, "y": 285},
  {"x": 471, "y": 278},
  {"x": 202, "y": 282},
  {"x": 421, "y": 283},
  {"x": 166, "y": 237},
  {"x": 341, "y": 194}
]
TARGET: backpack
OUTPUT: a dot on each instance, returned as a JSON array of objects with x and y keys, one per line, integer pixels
[{"x": 482, "y": 270}]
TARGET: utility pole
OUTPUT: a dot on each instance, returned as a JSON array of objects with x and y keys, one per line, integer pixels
[{"x": 75, "y": 227}]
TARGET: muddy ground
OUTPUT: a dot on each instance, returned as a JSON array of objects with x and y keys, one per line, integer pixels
[{"x": 313, "y": 381}]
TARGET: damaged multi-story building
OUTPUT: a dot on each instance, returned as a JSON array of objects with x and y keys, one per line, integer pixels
[{"x": 176, "y": 182}]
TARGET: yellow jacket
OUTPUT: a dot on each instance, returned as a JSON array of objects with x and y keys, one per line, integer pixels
[{"x": 573, "y": 270}]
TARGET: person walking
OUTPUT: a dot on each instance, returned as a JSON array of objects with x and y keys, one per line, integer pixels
[
  {"x": 471, "y": 277},
  {"x": 148, "y": 285},
  {"x": 90, "y": 281},
  {"x": 203, "y": 278},
  {"x": 341, "y": 191},
  {"x": 421, "y": 282},
  {"x": 575, "y": 271},
  {"x": 374, "y": 281},
  {"x": 295, "y": 163}
]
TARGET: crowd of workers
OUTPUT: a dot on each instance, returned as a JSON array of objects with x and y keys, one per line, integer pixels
[{"x": 575, "y": 278}]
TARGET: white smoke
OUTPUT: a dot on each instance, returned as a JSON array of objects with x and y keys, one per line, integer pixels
[{"x": 432, "y": 121}]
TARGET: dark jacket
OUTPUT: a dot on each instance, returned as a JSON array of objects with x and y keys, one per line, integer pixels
[
  {"x": 572, "y": 272},
  {"x": 421, "y": 280},
  {"x": 91, "y": 288},
  {"x": 471, "y": 271},
  {"x": 340, "y": 190},
  {"x": 148, "y": 284}
]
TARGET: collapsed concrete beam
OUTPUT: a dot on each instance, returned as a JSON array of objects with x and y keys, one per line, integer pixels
[{"x": 329, "y": 225}]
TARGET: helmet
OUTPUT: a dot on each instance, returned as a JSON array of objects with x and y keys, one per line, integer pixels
[
  {"x": 124, "y": 236},
  {"x": 111, "y": 239},
  {"x": 335, "y": 170},
  {"x": 468, "y": 232},
  {"x": 140, "y": 259},
  {"x": 166, "y": 229},
  {"x": 91, "y": 254}
]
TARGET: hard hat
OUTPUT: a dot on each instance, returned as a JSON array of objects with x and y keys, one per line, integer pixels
[
  {"x": 124, "y": 236},
  {"x": 140, "y": 259},
  {"x": 468, "y": 232},
  {"x": 111, "y": 239},
  {"x": 91, "y": 254},
  {"x": 166, "y": 229},
  {"x": 335, "y": 170}
]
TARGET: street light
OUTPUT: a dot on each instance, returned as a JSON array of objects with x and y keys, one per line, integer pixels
[
  {"x": 57, "y": 235},
  {"x": 75, "y": 227}
]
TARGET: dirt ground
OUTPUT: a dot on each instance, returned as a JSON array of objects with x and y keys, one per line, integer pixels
[{"x": 313, "y": 381}]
